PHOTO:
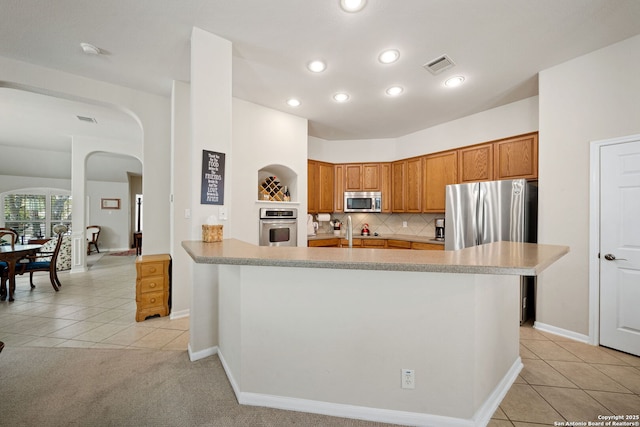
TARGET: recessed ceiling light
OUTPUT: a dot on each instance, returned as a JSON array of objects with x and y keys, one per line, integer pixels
[
  {"x": 454, "y": 81},
  {"x": 352, "y": 5},
  {"x": 394, "y": 90},
  {"x": 90, "y": 49},
  {"x": 389, "y": 56},
  {"x": 317, "y": 66},
  {"x": 292, "y": 102},
  {"x": 341, "y": 97}
]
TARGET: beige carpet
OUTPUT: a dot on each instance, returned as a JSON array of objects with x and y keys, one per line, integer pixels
[{"x": 104, "y": 387}]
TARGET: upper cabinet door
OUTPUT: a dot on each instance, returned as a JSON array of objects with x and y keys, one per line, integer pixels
[
  {"x": 371, "y": 179},
  {"x": 440, "y": 170},
  {"x": 313, "y": 186},
  {"x": 413, "y": 185},
  {"x": 353, "y": 177},
  {"x": 338, "y": 180},
  {"x": 385, "y": 180},
  {"x": 516, "y": 157},
  {"x": 475, "y": 163},
  {"x": 397, "y": 185},
  {"x": 325, "y": 177}
]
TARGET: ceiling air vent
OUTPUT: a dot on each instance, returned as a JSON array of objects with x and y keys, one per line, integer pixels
[
  {"x": 87, "y": 119},
  {"x": 438, "y": 65}
]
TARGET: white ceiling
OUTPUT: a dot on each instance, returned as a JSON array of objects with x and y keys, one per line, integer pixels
[{"x": 498, "y": 45}]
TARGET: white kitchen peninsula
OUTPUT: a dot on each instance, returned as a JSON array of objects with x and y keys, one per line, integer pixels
[{"x": 328, "y": 330}]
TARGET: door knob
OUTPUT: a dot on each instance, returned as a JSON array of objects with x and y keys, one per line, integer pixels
[{"x": 612, "y": 257}]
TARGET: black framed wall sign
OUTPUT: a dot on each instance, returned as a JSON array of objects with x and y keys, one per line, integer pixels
[{"x": 212, "y": 189}]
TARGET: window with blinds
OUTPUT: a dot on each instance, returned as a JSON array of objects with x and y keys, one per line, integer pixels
[{"x": 34, "y": 215}]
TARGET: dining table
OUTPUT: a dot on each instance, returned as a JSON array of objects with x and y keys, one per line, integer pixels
[{"x": 11, "y": 254}]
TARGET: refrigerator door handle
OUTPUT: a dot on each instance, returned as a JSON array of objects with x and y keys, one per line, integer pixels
[{"x": 479, "y": 215}]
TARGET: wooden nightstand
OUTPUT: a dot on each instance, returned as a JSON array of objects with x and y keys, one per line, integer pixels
[{"x": 153, "y": 285}]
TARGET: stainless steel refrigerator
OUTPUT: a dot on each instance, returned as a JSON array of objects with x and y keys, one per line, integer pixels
[{"x": 493, "y": 211}]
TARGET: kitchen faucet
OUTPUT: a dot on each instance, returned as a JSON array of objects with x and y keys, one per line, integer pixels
[{"x": 350, "y": 231}]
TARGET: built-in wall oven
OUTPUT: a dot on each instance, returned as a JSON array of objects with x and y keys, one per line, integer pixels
[{"x": 278, "y": 227}]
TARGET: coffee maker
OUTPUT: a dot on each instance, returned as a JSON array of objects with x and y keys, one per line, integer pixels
[{"x": 440, "y": 229}]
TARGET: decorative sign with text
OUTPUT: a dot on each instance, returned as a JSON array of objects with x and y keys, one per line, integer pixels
[{"x": 212, "y": 190}]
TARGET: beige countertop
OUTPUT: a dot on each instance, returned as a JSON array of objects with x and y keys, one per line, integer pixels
[
  {"x": 509, "y": 258},
  {"x": 404, "y": 237}
]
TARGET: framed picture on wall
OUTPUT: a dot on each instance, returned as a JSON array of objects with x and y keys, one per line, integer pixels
[{"x": 110, "y": 203}]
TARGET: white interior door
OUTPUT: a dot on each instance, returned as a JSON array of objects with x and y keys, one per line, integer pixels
[{"x": 620, "y": 246}]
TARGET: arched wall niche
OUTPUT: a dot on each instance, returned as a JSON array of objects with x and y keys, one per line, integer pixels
[{"x": 285, "y": 175}]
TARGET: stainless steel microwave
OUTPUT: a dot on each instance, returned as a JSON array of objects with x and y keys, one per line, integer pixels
[{"x": 362, "y": 201}]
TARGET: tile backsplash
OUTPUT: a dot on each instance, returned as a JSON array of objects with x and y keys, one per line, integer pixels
[{"x": 385, "y": 223}]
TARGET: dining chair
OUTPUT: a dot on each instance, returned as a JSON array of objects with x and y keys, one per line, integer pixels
[
  {"x": 93, "y": 232},
  {"x": 7, "y": 236},
  {"x": 13, "y": 236},
  {"x": 45, "y": 261}
]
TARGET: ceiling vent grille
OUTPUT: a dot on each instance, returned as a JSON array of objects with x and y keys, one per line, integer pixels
[
  {"x": 87, "y": 119},
  {"x": 439, "y": 64}
]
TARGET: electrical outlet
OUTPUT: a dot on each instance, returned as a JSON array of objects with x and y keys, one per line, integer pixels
[
  {"x": 404, "y": 224},
  {"x": 408, "y": 378}
]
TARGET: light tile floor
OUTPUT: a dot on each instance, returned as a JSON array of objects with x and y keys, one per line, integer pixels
[
  {"x": 562, "y": 380},
  {"x": 92, "y": 309},
  {"x": 566, "y": 381}
]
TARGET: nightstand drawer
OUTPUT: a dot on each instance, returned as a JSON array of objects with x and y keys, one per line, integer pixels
[
  {"x": 151, "y": 284},
  {"x": 151, "y": 269},
  {"x": 151, "y": 299}
]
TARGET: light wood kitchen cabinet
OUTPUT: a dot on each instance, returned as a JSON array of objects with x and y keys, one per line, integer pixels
[
  {"x": 385, "y": 179},
  {"x": 427, "y": 246},
  {"x": 406, "y": 182},
  {"x": 475, "y": 163},
  {"x": 319, "y": 186},
  {"x": 371, "y": 179},
  {"x": 440, "y": 170},
  {"x": 326, "y": 187},
  {"x": 324, "y": 243},
  {"x": 313, "y": 184},
  {"x": 356, "y": 243},
  {"x": 398, "y": 244},
  {"x": 413, "y": 183},
  {"x": 353, "y": 177},
  {"x": 362, "y": 177},
  {"x": 338, "y": 187},
  {"x": 397, "y": 185},
  {"x": 374, "y": 243},
  {"x": 516, "y": 157}
]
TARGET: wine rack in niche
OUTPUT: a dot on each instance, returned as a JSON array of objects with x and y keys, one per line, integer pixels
[
  {"x": 271, "y": 189},
  {"x": 276, "y": 183}
]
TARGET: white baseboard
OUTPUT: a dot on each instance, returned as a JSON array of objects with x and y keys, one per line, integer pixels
[
  {"x": 197, "y": 355},
  {"x": 232, "y": 380},
  {"x": 485, "y": 412},
  {"x": 481, "y": 418},
  {"x": 562, "y": 332},
  {"x": 179, "y": 314}
]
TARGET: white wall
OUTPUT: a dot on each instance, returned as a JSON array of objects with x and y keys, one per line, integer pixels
[
  {"x": 263, "y": 137},
  {"x": 590, "y": 98},
  {"x": 356, "y": 151},
  {"x": 114, "y": 223},
  {"x": 181, "y": 196},
  {"x": 153, "y": 113},
  {"x": 210, "y": 112},
  {"x": 501, "y": 122}
]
